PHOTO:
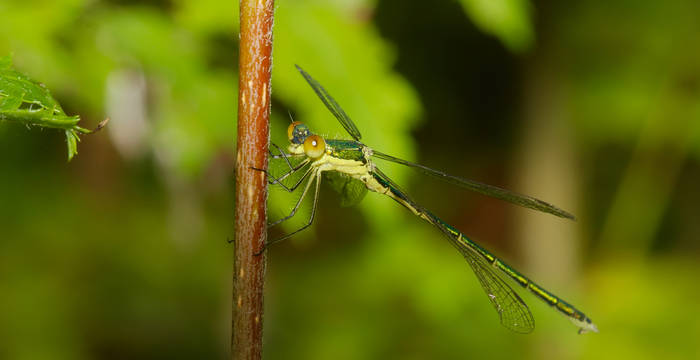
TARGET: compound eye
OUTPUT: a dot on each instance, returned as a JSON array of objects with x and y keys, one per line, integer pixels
[
  {"x": 314, "y": 146},
  {"x": 290, "y": 129}
]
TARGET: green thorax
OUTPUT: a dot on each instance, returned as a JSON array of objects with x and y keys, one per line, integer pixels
[{"x": 346, "y": 149}]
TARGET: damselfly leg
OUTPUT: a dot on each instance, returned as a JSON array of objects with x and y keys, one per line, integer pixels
[
  {"x": 282, "y": 154},
  {"x": 301, "y": 199},
  {"x": 315, "y": 178},
  {"x": 278, "y": 180}
]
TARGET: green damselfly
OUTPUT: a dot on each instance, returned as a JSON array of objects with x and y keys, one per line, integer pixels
[{"x": 354, "y": 160}]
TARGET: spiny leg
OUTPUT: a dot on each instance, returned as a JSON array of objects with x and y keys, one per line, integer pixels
[
  {"x": 277, "y": 181},
  {"x": 283, "y": 155},
  {"x": 291, "y": 171},
  {"x": 317, "y": 177},
  {"x": 298, "y": 204}
]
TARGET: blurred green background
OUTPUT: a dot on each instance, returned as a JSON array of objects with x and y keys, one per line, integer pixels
[{"x": 122, "y": 253}]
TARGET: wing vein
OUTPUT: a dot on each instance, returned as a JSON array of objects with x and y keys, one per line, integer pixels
[
  {"x": 512, "y": 310},
  {"x": 484, "y": 189}
]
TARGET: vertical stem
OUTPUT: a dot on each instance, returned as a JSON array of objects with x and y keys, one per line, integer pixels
[{"x": 255, "y": 63}]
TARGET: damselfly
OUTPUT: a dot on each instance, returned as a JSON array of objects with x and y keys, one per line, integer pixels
[{"x": 315, "y": 155}]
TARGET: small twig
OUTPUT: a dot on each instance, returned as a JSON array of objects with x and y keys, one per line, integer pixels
[{"x": 99, "y": 126}]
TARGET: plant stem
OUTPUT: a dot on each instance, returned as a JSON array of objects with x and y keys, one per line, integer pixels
[{"x": 255, "y": 63}]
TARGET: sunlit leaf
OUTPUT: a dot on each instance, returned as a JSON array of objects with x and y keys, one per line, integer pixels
[
  {"x": 28, "y": 102},
  {"x": 509, "y": 20}
]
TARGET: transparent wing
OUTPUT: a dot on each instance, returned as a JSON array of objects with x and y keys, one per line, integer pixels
[
  {"x": 351, "y": 191},
  {"x": 489, "y": 190},
  {"x": 511, "y": 309},
  {"x": 333, "y": 106}
]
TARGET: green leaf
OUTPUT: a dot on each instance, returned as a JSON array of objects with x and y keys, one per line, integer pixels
[
  {"x": 509, "y": 20},
  {"x": 29, "y": 102}
]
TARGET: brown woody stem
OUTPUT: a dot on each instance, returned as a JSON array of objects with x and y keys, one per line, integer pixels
[{"x": 255, "y": 63}]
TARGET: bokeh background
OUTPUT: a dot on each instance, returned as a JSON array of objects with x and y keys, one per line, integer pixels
[{"x": 122, "y": 253}]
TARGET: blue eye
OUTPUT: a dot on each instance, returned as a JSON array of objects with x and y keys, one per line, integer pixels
[{"x": 297, "y": 132}]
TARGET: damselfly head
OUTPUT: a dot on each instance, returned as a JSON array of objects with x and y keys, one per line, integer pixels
[
  {"x": 314, "y": 146},
  {"x": 297, "y": 132}
]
